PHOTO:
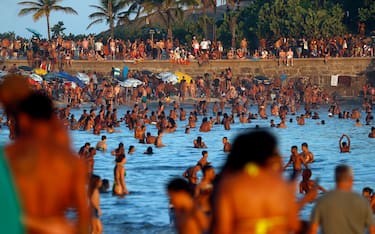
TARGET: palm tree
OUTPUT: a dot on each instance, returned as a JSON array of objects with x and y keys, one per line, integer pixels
[
  {"x": 108, "y": 11},
  {"x": 207, "y": 4},
  {"x": 40, "y": 8},
  {"x": 170, "y": 11},
  {"x": 134, "y": 10}
]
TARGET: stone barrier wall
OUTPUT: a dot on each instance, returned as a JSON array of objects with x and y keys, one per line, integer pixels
[{"x": 359, "y": 69}]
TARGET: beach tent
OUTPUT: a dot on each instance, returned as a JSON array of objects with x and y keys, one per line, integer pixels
[
  {"x": 68, "y": 77},
  {"x": 168, "y": 77}
]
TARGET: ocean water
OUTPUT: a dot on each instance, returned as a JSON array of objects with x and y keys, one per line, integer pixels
[{"x": 145, "y": 210}]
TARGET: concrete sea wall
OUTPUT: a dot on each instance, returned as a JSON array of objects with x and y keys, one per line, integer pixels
[{"x": 359, "y": 69}]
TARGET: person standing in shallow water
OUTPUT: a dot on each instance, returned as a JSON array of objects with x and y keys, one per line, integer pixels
[{"x": 119, "y": 173}]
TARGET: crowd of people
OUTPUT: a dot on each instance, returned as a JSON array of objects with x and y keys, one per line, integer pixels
[
  {"x": 59, "y": 52},
  {"x": 213, "y": 203}
]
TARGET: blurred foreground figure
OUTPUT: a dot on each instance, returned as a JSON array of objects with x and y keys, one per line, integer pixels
[
  {"x": 189, "y": 219},
  {"x": 341, "y": 210},
  {"x": 49, "y": 177},
  {"x": 252, "y": 196}
]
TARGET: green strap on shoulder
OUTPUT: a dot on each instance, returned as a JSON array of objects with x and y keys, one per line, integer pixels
[{"x": 10, "y": 208}]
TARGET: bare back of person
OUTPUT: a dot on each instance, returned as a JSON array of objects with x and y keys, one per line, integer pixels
[
  {"x": 256, "y": 210},
  {"x": 47, "y": 194}
]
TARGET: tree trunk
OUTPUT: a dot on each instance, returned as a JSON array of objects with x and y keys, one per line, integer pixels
[
  {"x": 48, "y": 27},
  {"x": 111, "y": 18},
  {"x": 204, "y": 22}
]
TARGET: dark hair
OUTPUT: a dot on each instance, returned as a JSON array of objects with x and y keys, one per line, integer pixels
[
  {"x": 119, "y": 158},
  {"x": 294, "y": 147},
  {"x": 305, "y": 144},
  {"x": 178, "y": 185},
  {"x": 37, "y": 105},
  {"x": 255, "y": 146},
  {"x": 93, "y": 183},
  {"x": 367, "y": 189},
  {"x": 149, "y": 150},
  {"x": 204, "y": 152},
  {"x": 306, "y": 173},
  {"x": 104, "y": 137}
]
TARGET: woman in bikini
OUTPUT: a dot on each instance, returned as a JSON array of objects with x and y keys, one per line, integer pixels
[{"x": 119, "y": 172}]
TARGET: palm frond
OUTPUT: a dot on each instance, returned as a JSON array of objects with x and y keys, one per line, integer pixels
[
  {"x": 26, "y": 11},
  {"x": 98, "y": 21}
]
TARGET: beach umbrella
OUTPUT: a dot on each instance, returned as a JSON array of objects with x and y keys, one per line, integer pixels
[
  {"x": 181, "y": 76},
  {"x": 36, "y": 77},
  {"x": 31, "y": 81},
  {"x": 70, "y": 84},
  {"x": 25, "y": 68},
  {"x": 68, "y": 77},
  {"x": 40, "y": 71},
  {"x": 3, "y": 73},
  {"x": 263, "y": 79},
  {"x": 147, "y": 72},
  {"x": 33, "y": 31},
  {"x": 83, "y": 77},
  {"x": 51, "y": 76},
  {"x": 131, "y": 83},
  {"x": 170, "y": 79}
]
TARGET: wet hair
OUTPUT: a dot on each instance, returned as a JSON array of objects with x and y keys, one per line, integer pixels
[
  {"x": 199, "y": 139},
  {"x": 104, "y": 137},
  {"x": 343, "y": 173},
  {"x": 149, "y": 150},
  {"x": 37, "y": 106},
  {"x": 294, "y": 147},
  {"x": 204, "y": 152},
  {"x": 255, "y": 146},
  {"x": 178, "y": 185},
  {"x": 305, "y": 144},
  {"x": 130, "y": 148},
  {"x": 121, "y": 145}
]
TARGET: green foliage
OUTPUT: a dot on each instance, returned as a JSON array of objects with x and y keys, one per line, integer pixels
[
  {"x": 9, "y": 35},
  {"x": 43, "y": 8},
  {"x": 58, "y": 29}
]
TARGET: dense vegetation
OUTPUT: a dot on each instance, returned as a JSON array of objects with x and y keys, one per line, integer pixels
[{"x": 255, "y": 20}]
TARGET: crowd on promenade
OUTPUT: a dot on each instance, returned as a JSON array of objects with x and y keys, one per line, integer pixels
[
  {"x": 253, "y": 158},
  {"x": 61, "y": 51}
]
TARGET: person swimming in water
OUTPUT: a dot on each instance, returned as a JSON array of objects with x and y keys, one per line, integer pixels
[
  {"x": 102, "y": 145},
  {"x": 344, "y": 145},
  {"x": 198, "y": 143}
]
